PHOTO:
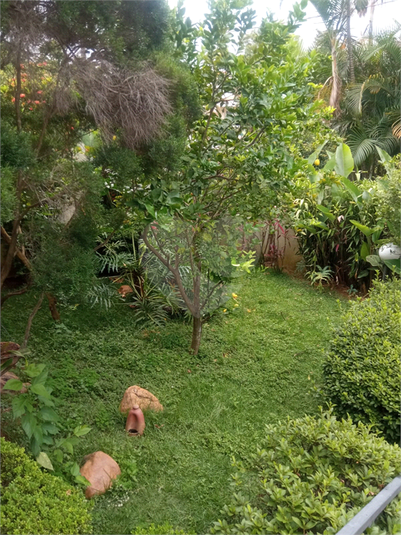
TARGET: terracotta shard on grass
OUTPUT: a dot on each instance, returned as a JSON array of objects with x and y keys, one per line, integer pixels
[
  {"x": 135, "y": 395},
  {"x": 99, "y": 469}
]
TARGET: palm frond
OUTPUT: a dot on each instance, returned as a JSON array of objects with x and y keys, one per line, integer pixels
[{"x": 362, "y": 147}]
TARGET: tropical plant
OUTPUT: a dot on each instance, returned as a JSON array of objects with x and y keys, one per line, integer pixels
[
  {"x": 361, "y": 372},
  {"x": 311, "y": 475},
  {"x": 336, "y": 219},
  {"x": 320, "y": 275},
  {"x": 371, "y": 107}
]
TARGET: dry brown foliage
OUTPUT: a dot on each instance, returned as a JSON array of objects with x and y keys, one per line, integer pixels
[{"x": 136, "y": 103}]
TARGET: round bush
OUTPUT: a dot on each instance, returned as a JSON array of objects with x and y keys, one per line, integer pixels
[
  {"x": 38, "y": 502},
  {"x": 311, "y": 475},
  {"x": 362, "y": 372}
]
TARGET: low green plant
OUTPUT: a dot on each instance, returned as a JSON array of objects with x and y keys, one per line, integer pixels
[
  {"x": 165, "y": 529},
  {"x": 311, "y": 475},
  {"x": 42, "y": 424},
  {"x": 320, "y": 275},
  {"x": 362, "y": 370},
  {"x": 37, "y": 502}
]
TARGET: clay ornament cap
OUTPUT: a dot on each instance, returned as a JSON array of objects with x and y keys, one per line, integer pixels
[
  {"x": 135, "y": 395},
  {"x": 135, "y": 425}
]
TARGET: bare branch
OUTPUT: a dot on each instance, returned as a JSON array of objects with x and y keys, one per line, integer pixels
[{"x": 30, "y": 320}]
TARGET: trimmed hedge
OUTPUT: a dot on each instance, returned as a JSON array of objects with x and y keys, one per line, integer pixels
[
  {"x": 311, "y": 475},
  {"x": 362, "y": 373},
  {"x": 33, "y": 501}
]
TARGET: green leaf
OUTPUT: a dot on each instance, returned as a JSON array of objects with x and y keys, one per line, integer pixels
[
  {"x": 331, "y": 162},
  {"x": 315, "y": 154},
  {"x": 385, "y": 158},
  {"x": 81, "y": 430},
  {"x": 82, "y": 480},
  {"x": 394, "y": 265},
  {"x": 363, "y": 228},
  {"x": 49, "y": 414},
  {"x": 40, "y": 390},
  {"x": 43, "y": 460},
  {"x": 58, "y": 455},
  {"x": 374, "y": 260},
  {"x": 38, "y": 434},
  {"x": 50, "y": 428},
  {"x": 74, "y": 471},
  {"x": 18, "y": 405},
  {"x": 28, "y": 424},
  {"x": 13, "y": 384},
  {"x": 326, "y": 212},
  {"x": 33, "y": 370},
  {"x": 41, "y": 378},
  {"x": 151, "y": 210},
  {"x": 344, "y": 160},
  {"x": 352, "y": 189},
  {"x": 365, "y": 250}
]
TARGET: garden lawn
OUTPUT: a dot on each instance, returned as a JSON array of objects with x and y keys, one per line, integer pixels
[{"x": 256, "y": 365}]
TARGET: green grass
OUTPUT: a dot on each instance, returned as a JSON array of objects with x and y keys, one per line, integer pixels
[{"x": 253, "y": 368}]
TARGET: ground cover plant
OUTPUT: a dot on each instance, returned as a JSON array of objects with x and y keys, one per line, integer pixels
[{"x": 255, "y": 367}]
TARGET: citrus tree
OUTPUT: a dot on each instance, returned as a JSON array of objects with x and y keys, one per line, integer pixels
[{"x": 237, "y": 159}]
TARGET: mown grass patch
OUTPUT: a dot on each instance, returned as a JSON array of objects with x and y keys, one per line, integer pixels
[{"x": 255, "y": 366}]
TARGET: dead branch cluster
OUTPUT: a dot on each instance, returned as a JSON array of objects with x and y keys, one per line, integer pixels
[{"x": 136, "y": 103}]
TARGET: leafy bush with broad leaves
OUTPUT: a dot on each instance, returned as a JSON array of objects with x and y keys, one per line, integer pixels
[
  {"x": 341, "y": 223},
  {"x": 34, "y": 407},
  {"x": 311, "y": 475},
  {"x": 362, "y": 370},
  {"x": 38, "y": 502}
]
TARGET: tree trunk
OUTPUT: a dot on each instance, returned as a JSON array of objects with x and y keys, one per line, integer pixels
[
  {"x": 12, "y": 248},
  {"x": 196, "y": 335},
  {"x": 52, "y": 306},
  {"x": 349, "y": 45},
  {"x": 336, "y": 86}
]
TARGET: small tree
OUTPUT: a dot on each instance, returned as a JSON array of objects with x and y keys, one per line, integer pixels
[{"x": 254, "y": 93}]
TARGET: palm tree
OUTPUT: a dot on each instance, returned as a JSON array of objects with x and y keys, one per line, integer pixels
[
  {"x": 371, "y": 107},
  {"x": 336, "y": 16}
]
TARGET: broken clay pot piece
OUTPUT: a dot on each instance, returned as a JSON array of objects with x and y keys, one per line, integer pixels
[{"x": 135, "y": 425}]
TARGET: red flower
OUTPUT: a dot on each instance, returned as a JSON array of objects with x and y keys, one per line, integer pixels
[
  {"x": 22, "y": 95},
  {"x": 37, "y": 102},
  {"x": 39, "y": 92},
  {"x": 72, "y": 128},
  {"x": 31, "y": 109},
  {"x": 13, "y": 100}
]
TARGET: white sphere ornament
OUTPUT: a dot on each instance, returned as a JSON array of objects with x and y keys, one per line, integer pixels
[{"x": 390, "y": 252}]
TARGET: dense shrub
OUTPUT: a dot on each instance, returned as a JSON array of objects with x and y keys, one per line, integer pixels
[
  {"x": 311, "y": 475},
  {"x": 38, "y": 502},
  {"x": 362, "y": 371}
]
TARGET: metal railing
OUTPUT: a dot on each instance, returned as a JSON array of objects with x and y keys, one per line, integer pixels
[{"x": 372, "y": 510}]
